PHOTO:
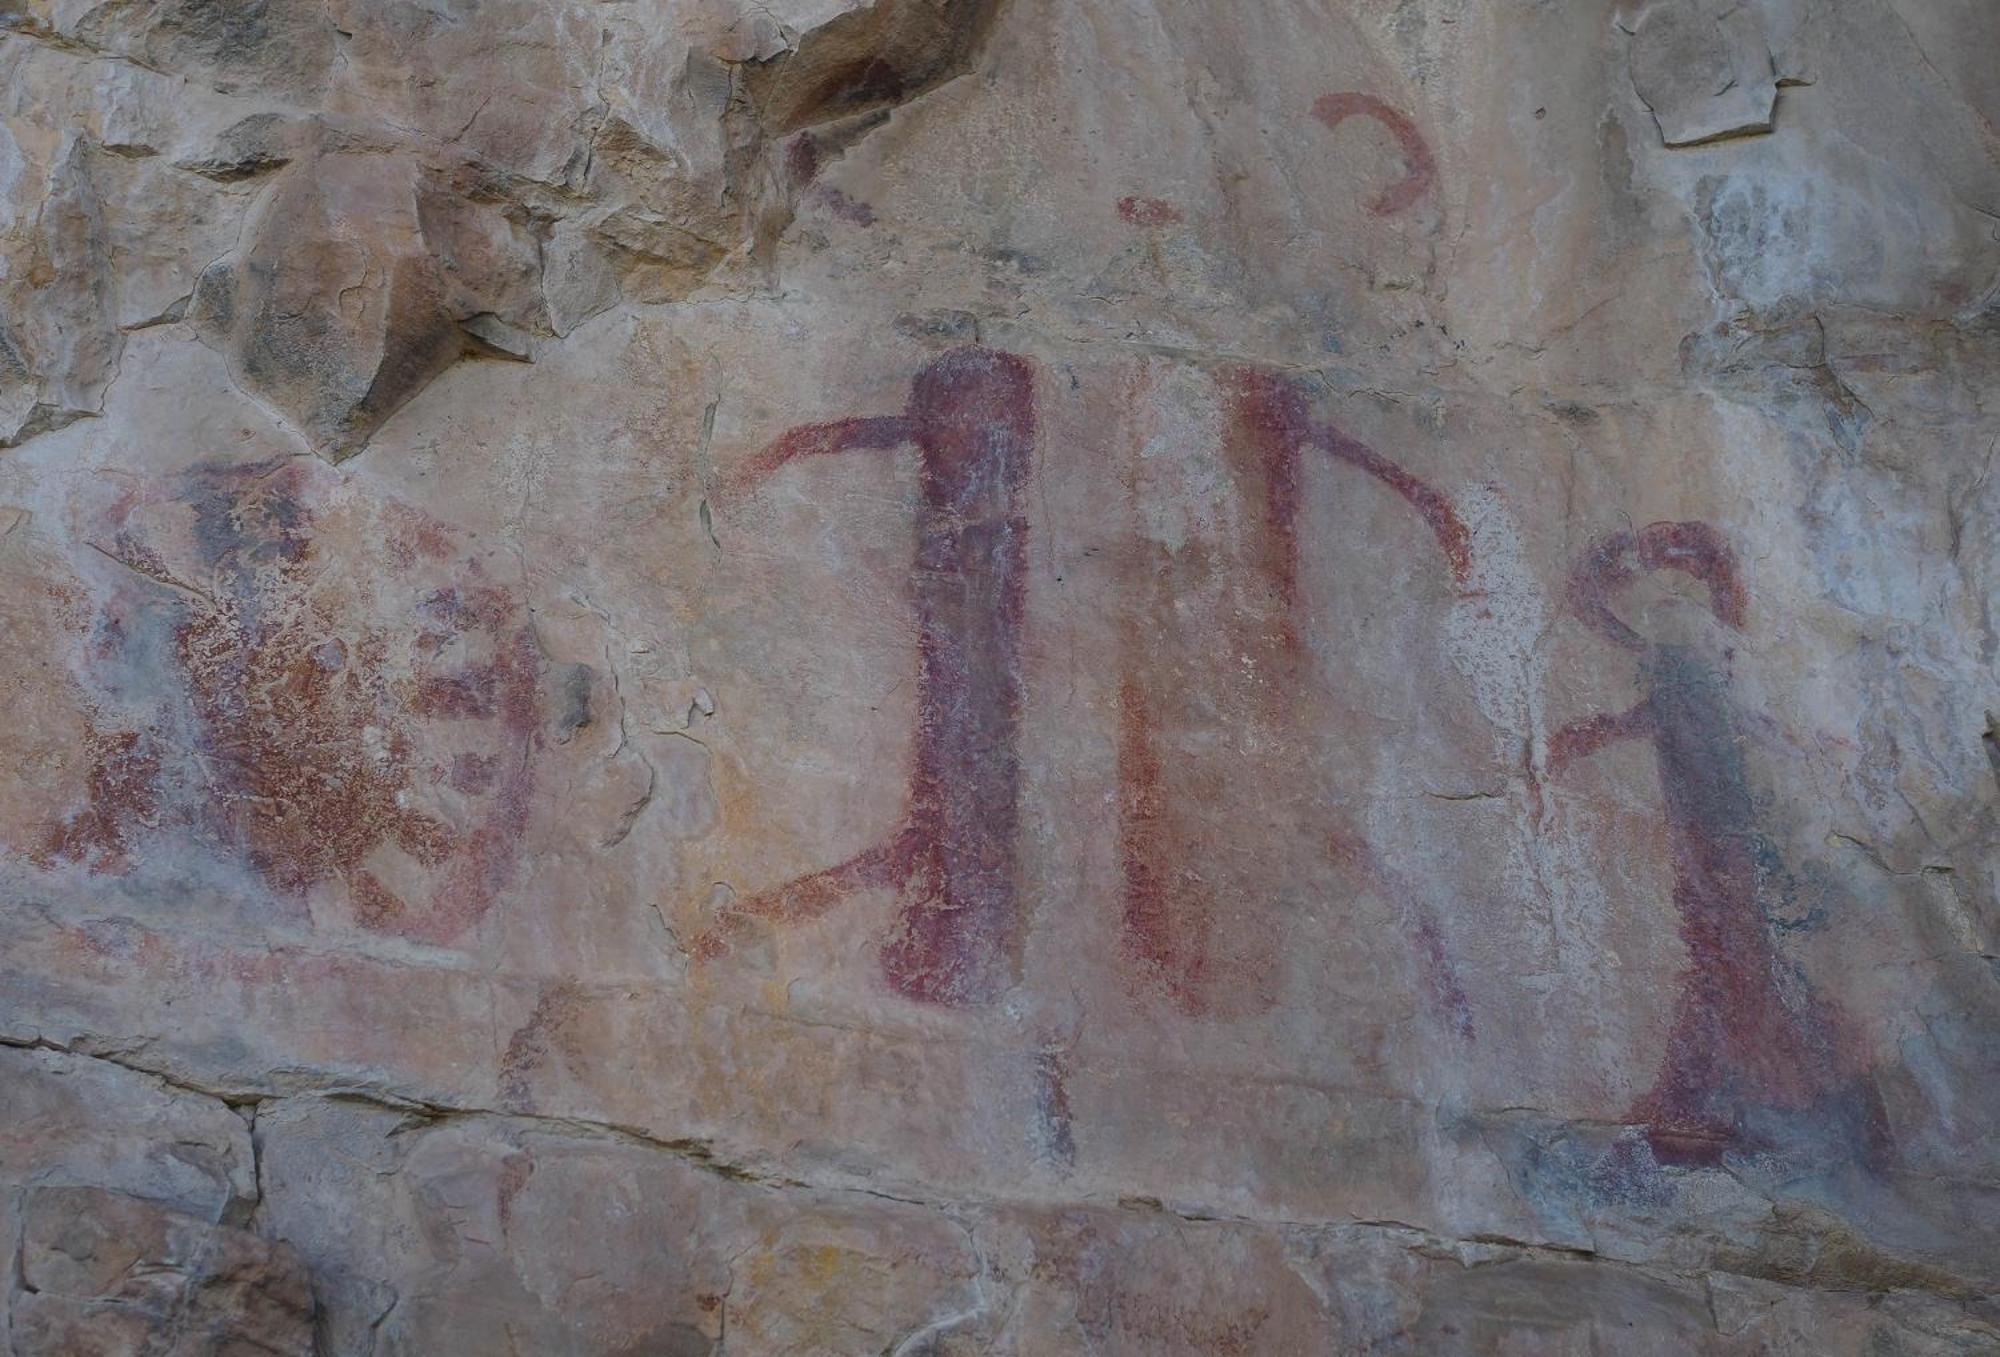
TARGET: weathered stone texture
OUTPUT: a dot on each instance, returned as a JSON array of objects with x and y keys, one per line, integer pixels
[
  {"x": 100, "y": 1273},
  {"x": 999, "y": 676}
]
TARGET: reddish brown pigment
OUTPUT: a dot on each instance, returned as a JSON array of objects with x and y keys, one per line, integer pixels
[
  {"x": 1168, "y": 912},
  {"x": 1276, "y": 410},
  {"x": 1420, "y": 167},
  {"x": 1148, "y": 211},
  {"x": 1750, "y": 1038},
  {"x": 1052, "y": 1112},
  {"x": 1169, "y": 916},
  {"x": 307, "y": 722},
  {"x": 802, "y": 167},
  {"x": 543, "y": 1036},
  {"x": 802, "y": 159},
  {"x": 515, "y": 1172},
  {"x": 971, "y": 419},
  {"x": 845, "y": 208},
  {"x": 121, "y": 798},
  {"x": 1435, "y": 967},
  {"x": 1125, "y": 1305}
]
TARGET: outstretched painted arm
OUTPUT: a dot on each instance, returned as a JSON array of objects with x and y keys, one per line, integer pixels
[
  {"x": 1581, "y": 739},
  {"x": 1429, "y": 502},
  {"x": 816, "y": 440}
]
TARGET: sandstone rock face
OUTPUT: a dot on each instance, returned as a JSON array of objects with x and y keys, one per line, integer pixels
[
  {"x": 999, "y": 676},
  {"x": 102, "y": 1273}
]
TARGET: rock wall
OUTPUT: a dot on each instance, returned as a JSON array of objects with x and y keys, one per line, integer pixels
[{"x": 999, "y": 676}]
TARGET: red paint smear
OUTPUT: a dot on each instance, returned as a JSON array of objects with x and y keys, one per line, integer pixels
[
  {"x": 1420, "y": 167},
  {"x": 802, "y": 159},
  {"x": 802, "y": 168},
  {"x": 1584, "y": 738},
  {"x": 414, "y": 536},
  {"x": 375, "y": 906},
  {"x": 1273, "y": 413},
  {"x": 1739, "y": 1041},
  {"x": 819, "y": 440},
  {"x": 971, "y": 417},
  {"x": 1441, "y": 976},
  {"x": 543, "y": 1035},
  {"x": 845, "y": 208},
  {"x": 1166, "y": 914},
  {"x": 1434, "y": 964},
  {"x": 1430, "y": 504},
  {"x": 118, "y": 952},
  {"x": 1148, "y": 211},
  {"x": 1168, "y": 917},
  {"x": 1169, "y": 927},
  {"x": 487, "y": 858},
  {"x": 1052, "y": 1110},
  {"x": 515, "y": 1171},
  {"x": 1698, "y": 550}
]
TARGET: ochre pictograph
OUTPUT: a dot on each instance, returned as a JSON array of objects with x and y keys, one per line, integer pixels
[
  {"x": 302, "y": 734},
  {"x": 1420, "y": 166},
  {"x": 1174, "y": 932},
  {"x": 971, "y": 421},
  {"x": 1751, "y": 1041}
]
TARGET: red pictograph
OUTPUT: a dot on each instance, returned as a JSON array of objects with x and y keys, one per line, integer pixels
[
  {"x": 1174, "y": 935},
  {"x": 1751, "y": 1041},
  {"x": 1420, "y": 167},
  {"x": 971, "y": 421}
]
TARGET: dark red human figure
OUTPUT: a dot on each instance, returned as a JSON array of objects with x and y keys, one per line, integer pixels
[
  {"x": 971, "y": 419},
  {"x": 1174, "y": 871},
  {"x": 1752, "y": 1047}
]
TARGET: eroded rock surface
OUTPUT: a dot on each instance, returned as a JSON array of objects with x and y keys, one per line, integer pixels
[
  {"x": 929, "y": 676},
  {"x": 1705, "y": 69},
  {"x": 110, "y": 1274}
]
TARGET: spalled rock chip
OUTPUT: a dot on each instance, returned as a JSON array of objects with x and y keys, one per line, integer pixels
[
  {"x": 1704, "y": 68},
  {"x": 357, "y": 286},
  {"x": 59, "y": 344},
  {"x": 105, "y": 1273},
  {"x": 255, "y": 145}
]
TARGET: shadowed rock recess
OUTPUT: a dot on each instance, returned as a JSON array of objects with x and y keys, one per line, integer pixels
[{"x": 943, "y": 677}]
